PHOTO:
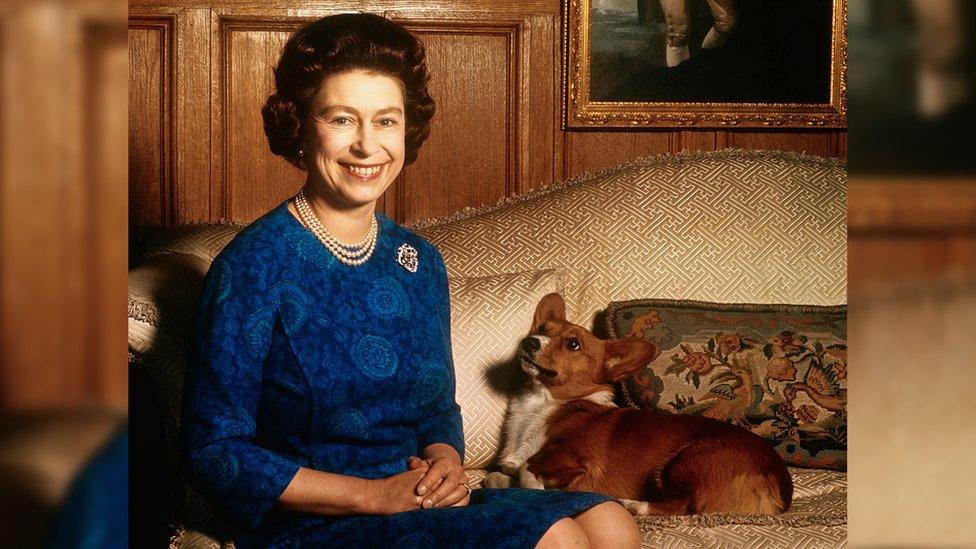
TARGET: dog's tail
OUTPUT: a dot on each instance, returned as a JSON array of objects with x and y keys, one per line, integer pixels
[
  {"x": 768, "y": 494},
  {"x": 755, "y": 494}
]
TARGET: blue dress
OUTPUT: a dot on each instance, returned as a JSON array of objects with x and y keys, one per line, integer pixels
[{"x": 301, "y": 361}]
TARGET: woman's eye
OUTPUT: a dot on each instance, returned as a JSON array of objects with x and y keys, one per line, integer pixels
[
  {"x": 388, "y": 122},
  {"x": 341, "y": 120},
  {"x": 573, "y": 344}
]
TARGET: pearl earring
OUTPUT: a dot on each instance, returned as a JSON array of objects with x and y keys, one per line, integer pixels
[{"x": 301, "y": 153}]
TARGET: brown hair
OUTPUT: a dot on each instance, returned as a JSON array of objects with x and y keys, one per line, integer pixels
[{"x": 341, "y": 43}]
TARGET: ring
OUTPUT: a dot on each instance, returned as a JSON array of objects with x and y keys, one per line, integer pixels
[{"x": 468, "y": 488}]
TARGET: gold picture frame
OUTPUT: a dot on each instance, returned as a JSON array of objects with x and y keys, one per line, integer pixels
[{"x": 581, "y": 111}]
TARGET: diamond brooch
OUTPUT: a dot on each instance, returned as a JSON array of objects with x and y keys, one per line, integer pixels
[{"x": 407, "y": 257}]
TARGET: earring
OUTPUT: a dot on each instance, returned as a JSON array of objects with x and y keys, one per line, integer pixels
[{"x": 301, "y": 153}]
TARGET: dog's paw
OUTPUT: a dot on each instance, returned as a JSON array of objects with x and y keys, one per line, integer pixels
[
  {"x": 528, "y": 480},
  {"x": 636, "y": 507},
  {"x": 498, "y": 480},
  {"x": 509, "y": 466}
]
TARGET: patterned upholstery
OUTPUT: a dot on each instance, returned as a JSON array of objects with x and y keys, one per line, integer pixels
[{"x": 730, "y": 226}]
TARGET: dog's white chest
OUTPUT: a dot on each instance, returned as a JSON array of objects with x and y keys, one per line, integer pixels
[{"x": 526, "y": 427}]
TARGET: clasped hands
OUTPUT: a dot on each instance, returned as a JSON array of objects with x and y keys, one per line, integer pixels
[{"x": 427, "y": 483}]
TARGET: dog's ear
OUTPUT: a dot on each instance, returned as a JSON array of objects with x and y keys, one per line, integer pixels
[
  {"x": 624, "y": 357},
  {"x": 551, "y": 307}
]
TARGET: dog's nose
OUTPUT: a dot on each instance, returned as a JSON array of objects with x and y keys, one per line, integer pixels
[{"x": 531, "y": 344}]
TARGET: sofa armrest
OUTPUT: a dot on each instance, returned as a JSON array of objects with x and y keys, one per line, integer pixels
[{"x": 163, "y": 295}]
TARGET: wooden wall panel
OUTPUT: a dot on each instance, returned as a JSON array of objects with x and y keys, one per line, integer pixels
[
  {"x": 588, "y": 151},
  {"x": 192, "y": 141},
  {"x": 473, "y": 153},
  {"x": 150, "y": 145},
  {"x": 818, "y": 143},
  {"x": 251, "y": 178},
  {"x": 40, "y": 295}
]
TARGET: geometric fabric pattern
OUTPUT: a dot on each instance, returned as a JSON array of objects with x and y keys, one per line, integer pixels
[
  {"x": 728, "y": 226},
  {"x": 489, "y": 316}
]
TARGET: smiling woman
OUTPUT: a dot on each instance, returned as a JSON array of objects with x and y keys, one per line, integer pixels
[
  {"x": 319, "y": 403},
  {"x": 355, "y": 139}
]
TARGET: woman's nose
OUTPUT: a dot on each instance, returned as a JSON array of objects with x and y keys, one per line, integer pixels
[{"x": 366, "y": 143}]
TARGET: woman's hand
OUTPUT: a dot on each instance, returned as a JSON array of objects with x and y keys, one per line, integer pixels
[
  {"x": 395, "y": 494},
  {"x": 443, "y": 484}
]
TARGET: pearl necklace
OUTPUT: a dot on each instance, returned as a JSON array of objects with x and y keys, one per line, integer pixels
[{"x": 349, "y": 254}]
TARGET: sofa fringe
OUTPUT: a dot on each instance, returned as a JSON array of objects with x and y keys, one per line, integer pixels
[
  {"x": 143, "y": 312},
  {"x": 711, "y": 520}
]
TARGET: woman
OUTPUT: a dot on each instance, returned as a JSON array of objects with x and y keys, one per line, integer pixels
[{"x": 319, "y": 406}]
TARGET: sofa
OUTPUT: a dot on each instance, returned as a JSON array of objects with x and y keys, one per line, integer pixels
[{"x": 711, "y": 229}]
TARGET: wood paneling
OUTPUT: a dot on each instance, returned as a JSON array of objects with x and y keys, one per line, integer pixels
[
  {"x": 910, "y": 230},
  {"x": 912, "y": 205},
  {"x": 588, "y": 151},
  {"x": 150, "y": 143},
  {"x": 818, "y": 143},
  {"x": 192, "y": 188},
  {"x": 249, "y": 178},
  {"x": 474, "y": 154},
  {"x": 496, "y": 78}
]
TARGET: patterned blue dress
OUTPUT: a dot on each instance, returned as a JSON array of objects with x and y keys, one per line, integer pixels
[{"x": 302, "y": 361}]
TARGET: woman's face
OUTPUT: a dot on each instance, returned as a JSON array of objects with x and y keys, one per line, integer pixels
[{"x": 354, "y": 141}]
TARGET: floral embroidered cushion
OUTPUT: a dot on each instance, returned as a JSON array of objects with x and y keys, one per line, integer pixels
[{"x": 777, "y": 370}]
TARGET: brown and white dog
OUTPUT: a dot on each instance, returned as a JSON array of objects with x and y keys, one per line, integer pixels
[{"x": 565, "y": 432}]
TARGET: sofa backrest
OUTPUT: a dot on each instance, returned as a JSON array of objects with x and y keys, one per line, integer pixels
[{"x": 742, "y": 226}]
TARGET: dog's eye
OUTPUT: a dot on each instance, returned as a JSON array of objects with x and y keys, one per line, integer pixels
[
  {"x": 542, "y": 329},
  {"x": 573, "y": 344}
]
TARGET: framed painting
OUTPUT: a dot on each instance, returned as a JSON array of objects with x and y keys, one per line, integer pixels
[{"x": 704, "y": 63}]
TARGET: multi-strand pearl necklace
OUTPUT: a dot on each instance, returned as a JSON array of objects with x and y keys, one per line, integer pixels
[{"x": 349, "y": 254}]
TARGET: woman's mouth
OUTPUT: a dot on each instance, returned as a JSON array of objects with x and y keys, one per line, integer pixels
[{"x": 363, "y": 172}]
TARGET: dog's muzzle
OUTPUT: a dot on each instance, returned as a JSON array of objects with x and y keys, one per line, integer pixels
[
  {"x": 531, "y": 344},
  {"x": 529, "y": 347}
]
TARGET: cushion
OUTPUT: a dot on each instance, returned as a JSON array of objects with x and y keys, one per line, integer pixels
[
  {"x": 489, "y": 316},
  {"x": 727, "y": 226},
  {"x": 778, "y": 370}
]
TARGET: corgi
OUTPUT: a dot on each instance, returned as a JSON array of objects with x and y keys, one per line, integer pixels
[{"x": 565, "y": 432}]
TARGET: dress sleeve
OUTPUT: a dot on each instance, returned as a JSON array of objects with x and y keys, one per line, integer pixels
[
  {"x": 444, "y": 424},
  {"x": 232, "y": 335}
]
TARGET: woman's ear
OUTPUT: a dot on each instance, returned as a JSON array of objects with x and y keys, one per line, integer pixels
[
  {"x": 624, "y": 357},
  {"x": 551, "y": 307}
]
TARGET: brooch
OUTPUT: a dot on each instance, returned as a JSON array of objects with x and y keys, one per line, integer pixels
[{"x": 407, "y": 257}]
